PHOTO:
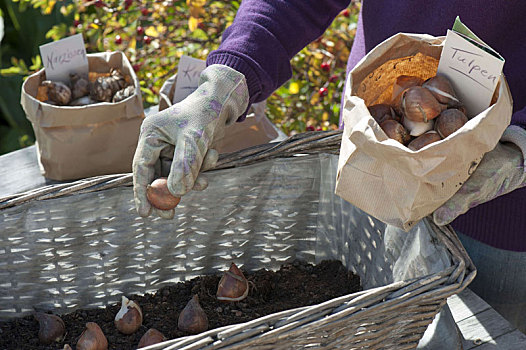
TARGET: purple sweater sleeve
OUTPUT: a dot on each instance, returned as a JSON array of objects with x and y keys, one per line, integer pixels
[{"x": 266, "y": 34}]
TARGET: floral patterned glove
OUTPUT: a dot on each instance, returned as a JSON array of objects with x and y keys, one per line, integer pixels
[
  {"x": 181, "y": 136},
  {"x": 500, "y": 171}
]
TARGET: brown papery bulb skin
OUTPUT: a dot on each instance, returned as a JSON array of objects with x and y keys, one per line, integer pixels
[
  {"x": 52, "y": 328},
  {"x": 159, "y": 196},
  {"x": 381, "y": 112},
  {"x": 152, "y": 336},
  {"x": 396, "y": 131},
  {"x": 402, "y": 83},
  {"x": 424, "y": 140},
  {"x": 441, "y": 88},
  {"x": 57, "y": 92},
  {"x": 419, "y": 104},
  {"x": 79, "y": 86},
  {"x": 92, "y": 338},
  {"x": 233, "y": 285},
  {"x": 129, "y": 318},
  {"x": 193, "y": 318},
  {"x": 450, "y": 121}
]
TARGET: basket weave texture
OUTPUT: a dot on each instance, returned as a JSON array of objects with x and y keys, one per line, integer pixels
[{"x": 84, "y": 246}]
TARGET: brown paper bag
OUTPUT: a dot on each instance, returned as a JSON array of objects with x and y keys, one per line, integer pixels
[
  {"x": 383, "y": 177},
  {"x": 96, "y": 139},
  {"x": 255, "y": 130}
]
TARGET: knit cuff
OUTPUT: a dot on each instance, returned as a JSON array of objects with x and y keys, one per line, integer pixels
[{"x": 240, "y": 65}]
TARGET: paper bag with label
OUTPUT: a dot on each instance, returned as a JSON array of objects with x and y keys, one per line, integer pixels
[
  {"x": 82, "y": 141},
  {"x": 256, "y": 129},
  {"x": 383, "y": 177}
]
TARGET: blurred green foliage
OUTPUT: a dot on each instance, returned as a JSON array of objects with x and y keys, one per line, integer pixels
[{"x": 154, "y": 35}]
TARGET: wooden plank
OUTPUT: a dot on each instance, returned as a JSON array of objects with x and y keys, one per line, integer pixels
[
  {"x": 466, "y": 304},
  {"x": 19, "y": 172},
  {"x": 515, "y": 340},
  {"x": 482, "y": 328}
]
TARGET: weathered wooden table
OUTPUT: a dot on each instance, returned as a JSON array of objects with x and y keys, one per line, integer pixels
[{"x": 482, "y": 327}]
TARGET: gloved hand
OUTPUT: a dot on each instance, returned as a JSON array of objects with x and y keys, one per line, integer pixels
[
  {"x": 500, "y": 171},
  {"x": 181, "y": 136}
]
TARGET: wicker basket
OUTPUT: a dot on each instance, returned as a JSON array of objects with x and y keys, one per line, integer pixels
[{"x": 81, "y": 244}]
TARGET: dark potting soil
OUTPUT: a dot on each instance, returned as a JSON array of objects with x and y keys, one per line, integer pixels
[{"x": 293, "y": 285}]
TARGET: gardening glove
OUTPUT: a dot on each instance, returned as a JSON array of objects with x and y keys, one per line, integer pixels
[
  {"x": 181, "y": 136},
  {"x": 500, "y": 171}
]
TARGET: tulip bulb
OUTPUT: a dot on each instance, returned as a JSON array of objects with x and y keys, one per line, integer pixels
[
  {"x": 233, "y": 285},
  {"x": 442, "y": 89},
  {"x": 450, "y": 121},
  {"x": 129, "y": 317},
  {"x": 381, "y": 112},
  {"x": 417, "y": 128},
  {"x": 402, "y": 83},
  {"x": 52, "y": 328},
  {"x": 419, "y": 104},
  {"x": 193, "y": 318},
  {"x": 152, "y": 336},
  {"x": 92, "y": 338},
  {"x": 396, "y": 131},
  {"x": 159, "y": 196},
  {"x": 424, "y": 140}
]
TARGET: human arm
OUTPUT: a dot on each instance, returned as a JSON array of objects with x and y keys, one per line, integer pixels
[
  {"x": 256, "y": 49},
  {"x": 265, "y": 35}
]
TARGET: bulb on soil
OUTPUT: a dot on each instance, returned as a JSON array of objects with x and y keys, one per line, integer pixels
[
  {"x": 129, "y": 318},
  {"x": 152, "y": 336},
  {"x": 233, "y": 285},
  {"x": 52, "y": 328},
  {"x": 92, "y": 338},
  {"x": 193, "y": 318}
]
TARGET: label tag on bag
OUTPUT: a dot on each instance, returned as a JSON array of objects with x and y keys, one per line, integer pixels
[
  {"x": 473, "y": 68},
  {"x": 188, "y": 73},
  {"x": 63, "y": 57}
]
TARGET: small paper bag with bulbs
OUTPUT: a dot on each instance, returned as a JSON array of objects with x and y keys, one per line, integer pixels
[
  {"x": 74, "y": 142},
  {"x": 382, "y": 176}
]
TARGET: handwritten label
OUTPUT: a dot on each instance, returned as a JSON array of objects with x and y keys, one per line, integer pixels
[
  {"x": 188, "y": 73},
  {"x": 63, "y": 57},
  {"x": 473, "y": 71}
]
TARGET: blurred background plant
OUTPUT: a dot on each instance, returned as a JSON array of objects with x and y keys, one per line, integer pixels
[{"x": 154, "y": 34}]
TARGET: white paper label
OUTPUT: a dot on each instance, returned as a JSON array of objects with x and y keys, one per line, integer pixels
[
  {"x": 65, "y": 56},
  {"x": 188, "y": 72},
  {"x": 473, "y": 72}
]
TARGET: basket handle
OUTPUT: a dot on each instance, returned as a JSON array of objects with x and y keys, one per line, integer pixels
[{"x": 308, "y": 143}]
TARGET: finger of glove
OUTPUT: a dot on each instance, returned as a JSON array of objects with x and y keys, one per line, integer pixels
[
  {"x": 201, "y": 183},
  {"x": 145, "y": 162},
  {"x": 164, "y": 214},
  {"x": 166, "y": 157},
  {"x": 495, "y": 176},
  {"x": 210, "y": 160},
  {"x": 188, "y": 158}
]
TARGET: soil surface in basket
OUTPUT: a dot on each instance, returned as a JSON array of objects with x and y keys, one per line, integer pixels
[{"x": 293, "y": 285}]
